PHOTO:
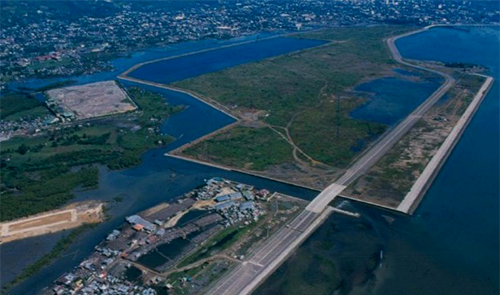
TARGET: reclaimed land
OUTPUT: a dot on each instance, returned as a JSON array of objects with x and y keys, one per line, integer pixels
[
  {"x": 71, "y": 216},
  {"x": 299, "y": 105},
  {"x": 388, "y": 181},
  {"x": 40, "y": 173}
]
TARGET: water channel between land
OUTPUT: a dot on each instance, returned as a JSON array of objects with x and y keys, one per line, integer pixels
[{"x": 156, "y": 180}]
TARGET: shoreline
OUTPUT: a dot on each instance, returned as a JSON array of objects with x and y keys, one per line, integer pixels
[
  {"x": 423, "y": 183},
  {"x": 218, "y": 166},
  {"x": 348, "y": 176}
]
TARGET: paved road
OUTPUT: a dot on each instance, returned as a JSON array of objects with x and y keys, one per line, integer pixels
[
  {"x": 379, "y": 149},
  {"x": 246, "y": 277},
  {"x": 420, "y": 186}
]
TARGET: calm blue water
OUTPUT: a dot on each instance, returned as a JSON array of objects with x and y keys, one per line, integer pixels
[
  {"x": 168, "y": 71},
  {"x": 451, "y": 244},
  {"x": 393, "y": 98},
  {"x": 449, "y": 247},
  {"x": 124, "y": 63},
  {"x": 156, "y": 180},
  {"x": 456, "y": 227}
]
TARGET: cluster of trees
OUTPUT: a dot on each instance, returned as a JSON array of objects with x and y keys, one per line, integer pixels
[
  {"x": 43, "y": 190},
  {"x": 16, "y": 102},
  {"x": 37, "y": 177}
]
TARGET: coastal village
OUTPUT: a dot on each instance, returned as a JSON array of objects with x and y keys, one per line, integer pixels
[{"x": 181, "y": 247}]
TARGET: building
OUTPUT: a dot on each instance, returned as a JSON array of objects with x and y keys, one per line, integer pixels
[{"x": 135, "y": 220}]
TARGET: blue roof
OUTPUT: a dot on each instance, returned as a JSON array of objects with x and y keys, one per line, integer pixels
[
  {"x": 225, "y": 205},
  {"x": 248, "y": 195},
  {"x": 247, "y": 205},
  {"x": 236, "y": 196},
  {"x": 136, "y": 219},
  {"x": 222, "y": 198}
]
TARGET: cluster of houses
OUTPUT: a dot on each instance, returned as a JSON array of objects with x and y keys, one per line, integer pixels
[{"x": 224, "y": 203}]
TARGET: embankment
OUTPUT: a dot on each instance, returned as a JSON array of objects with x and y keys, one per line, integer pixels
[{"x": 422, "y": 184}]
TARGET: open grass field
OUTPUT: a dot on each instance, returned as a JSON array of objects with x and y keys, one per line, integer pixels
[
  {"x": 261, "y": 147},
  {"x": 304, "y": 97}
]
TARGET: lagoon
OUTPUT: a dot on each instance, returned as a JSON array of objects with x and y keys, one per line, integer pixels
[
  {"x": 184, "y": 67},
  {"x": 450, "y": 245},
  {"x": 391, "y": 99},
  {"x": 156, "y": 180}
]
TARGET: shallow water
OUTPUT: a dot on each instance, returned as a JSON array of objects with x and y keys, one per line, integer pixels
[
  {"x": 157, "y": 179},
  {"x": 450, "y": 245},
  {"x": 392, "y": 99}
]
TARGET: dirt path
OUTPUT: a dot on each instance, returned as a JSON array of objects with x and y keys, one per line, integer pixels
[{"x": 287, "y": 136}]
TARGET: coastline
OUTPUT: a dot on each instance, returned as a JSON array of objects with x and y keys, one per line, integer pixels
[{"x": 423, "y": 183}]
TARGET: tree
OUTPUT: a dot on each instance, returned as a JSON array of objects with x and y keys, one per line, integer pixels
[{"x": 23, "y": 149}]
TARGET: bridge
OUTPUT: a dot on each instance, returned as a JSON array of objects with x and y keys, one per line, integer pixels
[{"x": 246, "y": 277}]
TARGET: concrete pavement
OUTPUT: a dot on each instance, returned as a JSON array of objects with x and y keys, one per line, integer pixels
[{"x": 423, "y": 182}]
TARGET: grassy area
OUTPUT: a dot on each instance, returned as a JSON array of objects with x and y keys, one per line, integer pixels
[
  {"x": 21, "y": 106},
  {"x": 299, "y": 91},
  {"x": 39, "y": 174},
  {"x": 219, "y": 242},
  {"x": 252, "y": 148}
]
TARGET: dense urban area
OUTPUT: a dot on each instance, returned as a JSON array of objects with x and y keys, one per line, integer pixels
[{"x": 61, "y": 39}]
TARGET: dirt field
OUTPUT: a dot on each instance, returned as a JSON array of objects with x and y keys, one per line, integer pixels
[
  {"x": 72, "y": 216},
  {"x": 90, "y": 100},
  {"x": 49, "y": 219}
]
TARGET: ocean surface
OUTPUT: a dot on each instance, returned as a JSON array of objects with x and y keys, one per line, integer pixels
[{"x": 451, "y": 244}]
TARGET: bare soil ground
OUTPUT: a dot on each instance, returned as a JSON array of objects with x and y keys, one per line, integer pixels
[
  {"x": 71, "y": 216},
  {"x": 41, "y": 221},
  {"x": 91, "y": 100}
]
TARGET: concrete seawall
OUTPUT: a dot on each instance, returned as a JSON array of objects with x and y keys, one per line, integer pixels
[
  {"x": 423, "y": 183},
  {"x": 211, "y": 103}
]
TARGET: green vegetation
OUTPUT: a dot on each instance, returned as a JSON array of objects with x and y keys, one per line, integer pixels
[
  {"x": 252, "y": 148},
  {"x": 44, "y": 190},
  {"x": 394, "y": 174},
  {"x": 14, "y": 106},
  {"x": 219, "y": 242},
  {"x": 299, "y": 92},
  {"x": 39, "y": 173},
  {"x": 57, "y": 250}
]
